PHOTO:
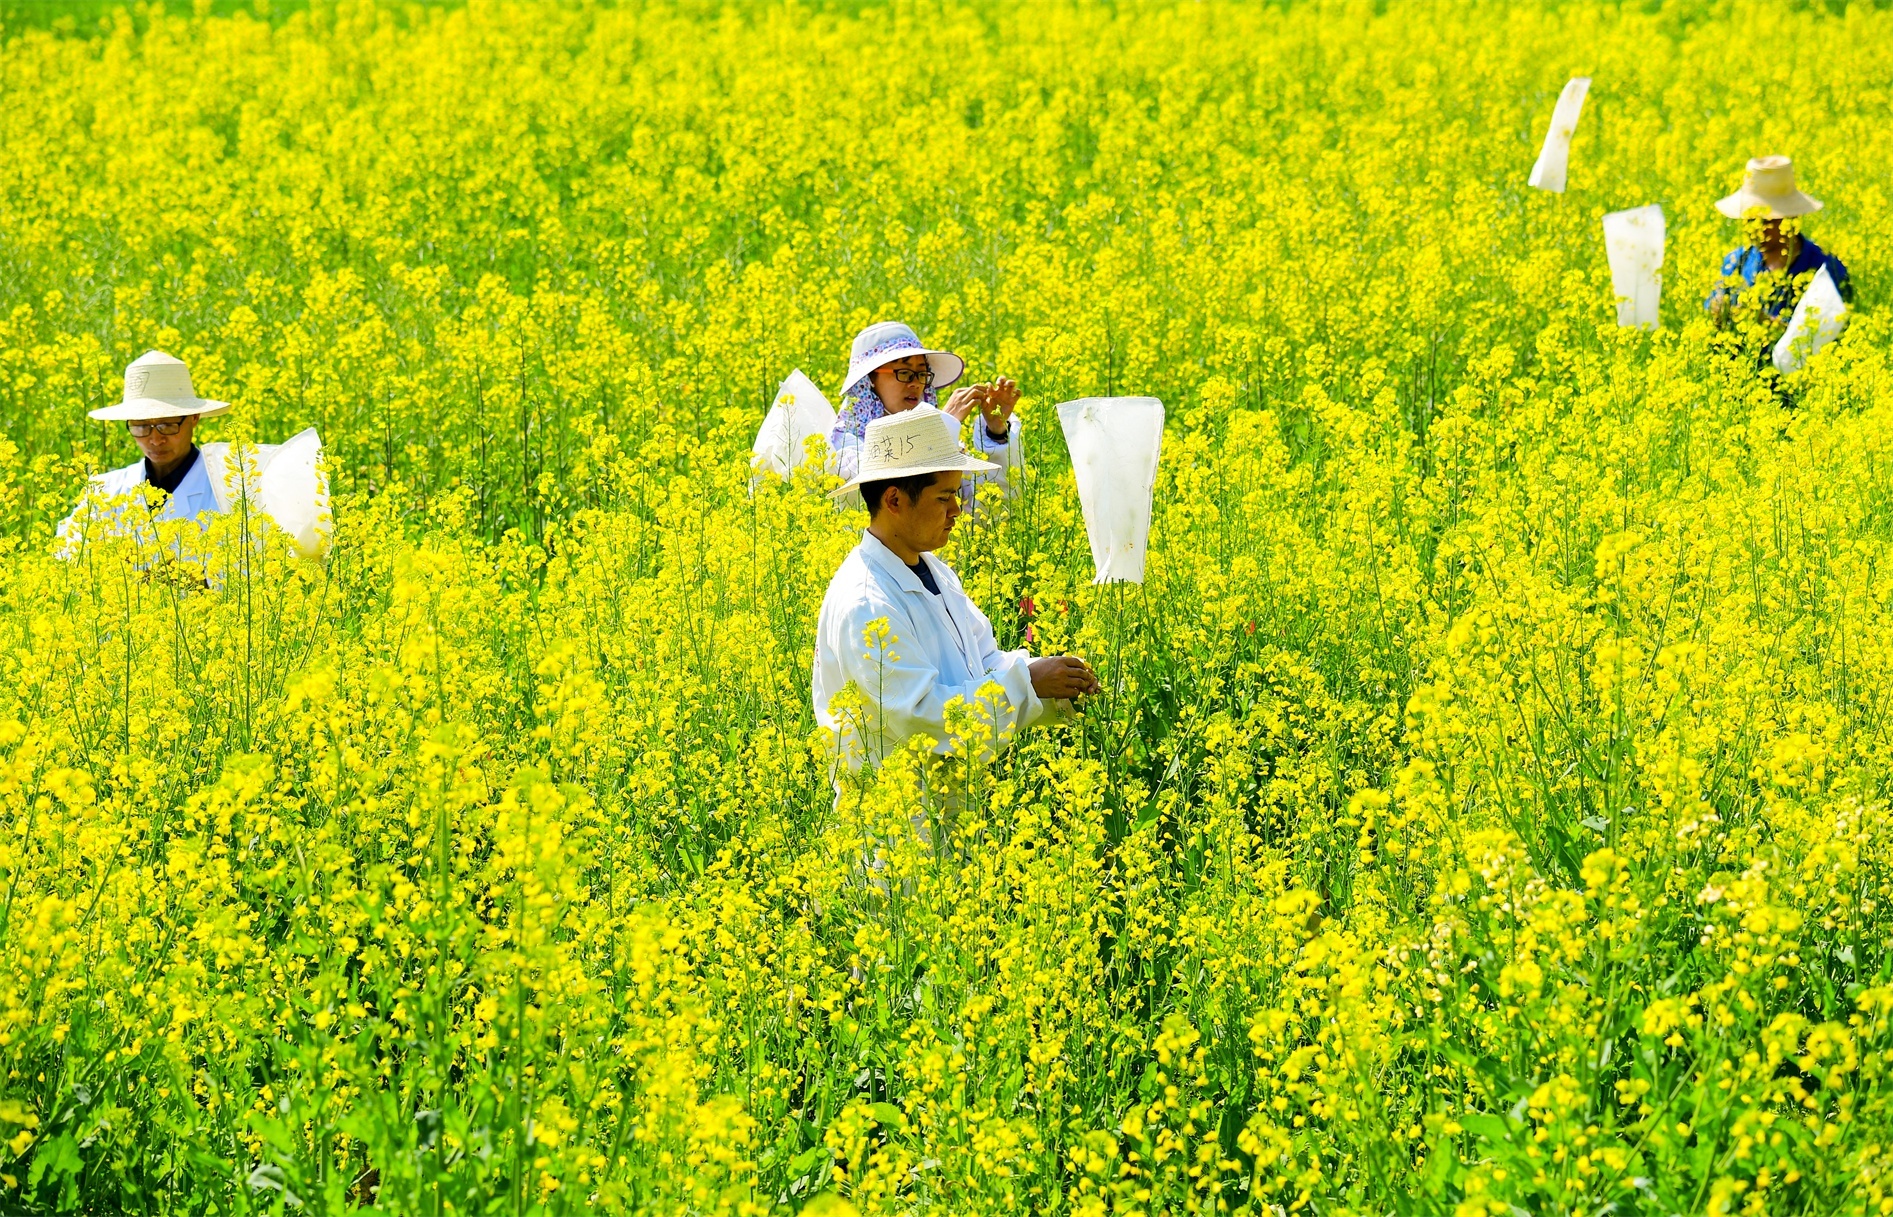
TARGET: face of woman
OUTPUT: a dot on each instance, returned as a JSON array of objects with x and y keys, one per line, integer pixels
[{"x": 898, "y": 397}]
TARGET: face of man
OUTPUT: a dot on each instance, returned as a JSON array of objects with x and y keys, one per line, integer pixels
[
  {"x": 898, "y": 397},
  {"x": 163, "y": 451},
  {"x": 1775, "y": 238},
  {"x": 923, "y": 523}
]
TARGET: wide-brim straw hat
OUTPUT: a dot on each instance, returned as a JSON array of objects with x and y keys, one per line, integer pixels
[
  {"x": 158, "y": 386},
  {"x": 1769, "y": 183},
  {"x": 908, "y": 444},
  {"x": 885, "y": 341}
]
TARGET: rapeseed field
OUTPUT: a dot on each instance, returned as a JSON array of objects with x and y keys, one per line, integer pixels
[{"x": 1488, "y": 809}]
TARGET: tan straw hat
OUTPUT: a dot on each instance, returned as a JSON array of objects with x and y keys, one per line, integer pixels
[
  {"x": 908, "y": 444},
  {"x": 158, "y": 386},
  {"x": 1769, "y": 183}
]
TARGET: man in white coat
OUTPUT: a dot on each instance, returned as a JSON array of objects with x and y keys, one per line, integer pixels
[
  {"x": 161, "y": 409},
  {"x": 937, "y": 645}
]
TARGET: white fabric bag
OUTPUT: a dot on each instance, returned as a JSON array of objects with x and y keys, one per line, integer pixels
[
  {"x": 798, "y": 412},
  {"x": 1115, "y": 442},
  {"x": 284, "y": 481},
  {"x": 1548, "y": 173},
  {"x": 1633, "y": 241},
  {"x": 1821, "y": 315}
]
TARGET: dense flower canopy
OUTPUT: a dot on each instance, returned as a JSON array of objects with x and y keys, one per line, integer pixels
[{"x": 1488, "y": 809}]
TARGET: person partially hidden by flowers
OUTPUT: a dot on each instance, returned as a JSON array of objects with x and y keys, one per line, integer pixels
[
  {"x": 890, "y": 371},
  {"x": 161, "y": 410},
  {"x": 1762, "y": 279},
  {"x": 895, "y": 625}
]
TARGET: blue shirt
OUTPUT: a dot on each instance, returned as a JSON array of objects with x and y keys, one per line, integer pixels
[
  {"x": 1747, "y": 262},
  {"x": 926, "y": 577}
]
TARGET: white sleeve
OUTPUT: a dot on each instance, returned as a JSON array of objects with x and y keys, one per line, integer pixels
[
  {"x": 69, "y": 540},
  {"x": 904, "y": 695},
  {"x": 1009, "y": 668},
  {"x": 1007, "y": 453},
  {"x": 73, "y": 531},
  {"x": 1012, "y": 669}
]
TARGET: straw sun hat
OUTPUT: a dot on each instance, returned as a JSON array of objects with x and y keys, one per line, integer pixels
[
  {"x": 1769, "y": 183},
  {"x": 158, "y": 386},
  {"x": 885, "y": 341},
  {"x": 908, "y": 444}
]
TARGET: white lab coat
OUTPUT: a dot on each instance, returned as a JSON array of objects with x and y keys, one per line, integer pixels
[
  {"x": 1008, "y": 454},
  {"x": 942, "y": 647},
  {"x": 193, "y": 497}
]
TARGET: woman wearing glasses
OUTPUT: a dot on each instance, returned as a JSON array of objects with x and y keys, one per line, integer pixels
[
  {"x": 891, "y": 371},
  {"x": 161, "y": 410}
]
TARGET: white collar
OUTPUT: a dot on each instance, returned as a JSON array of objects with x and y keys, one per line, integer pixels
[{"x": 875, "y": 550}]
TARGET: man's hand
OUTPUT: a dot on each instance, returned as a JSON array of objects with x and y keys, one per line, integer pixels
[
  {"x": 995, "y": 406},
  {"x": 1056, "y": 677}
]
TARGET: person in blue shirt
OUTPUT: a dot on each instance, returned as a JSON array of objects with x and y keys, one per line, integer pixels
[{"x": 1773, "y": 267}]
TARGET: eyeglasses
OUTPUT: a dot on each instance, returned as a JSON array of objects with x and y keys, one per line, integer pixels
[
  {"x": 168, "y": 427},
  {"x": 908, "y": 376}
]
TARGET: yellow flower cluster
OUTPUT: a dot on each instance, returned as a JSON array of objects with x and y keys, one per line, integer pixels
[{"x": 1490, "y": 809}]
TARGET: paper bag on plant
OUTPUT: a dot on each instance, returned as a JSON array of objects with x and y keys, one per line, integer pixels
[
  {"x": 799, "y": 411},
  {"x": 1548, "y": 173},
  {"x": 1818, "y": 319},
  {"x": 1115, "y": 443},
  {"x": 1633, "y": 241}
]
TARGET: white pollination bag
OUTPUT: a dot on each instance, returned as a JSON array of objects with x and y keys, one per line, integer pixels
[
  {"x": 1114, "y": 444},
  {"x": 283, "y": 481},
  {"x": 1633, "y": 241},
  {"x": 799, "y": 411},
  {"x": 1818, "y": 320},
  {"x": 1548, "y": 173}
]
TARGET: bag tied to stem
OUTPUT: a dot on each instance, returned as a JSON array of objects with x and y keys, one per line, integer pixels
[{"x": 1115, "y": 443}]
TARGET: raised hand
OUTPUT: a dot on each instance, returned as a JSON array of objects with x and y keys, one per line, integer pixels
[
  {"x": 995, "y": 405},
  {"x": 964, "y": 401}
]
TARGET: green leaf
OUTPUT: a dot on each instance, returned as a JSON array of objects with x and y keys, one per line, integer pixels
[
  {"x": 56, "y": 1159},
  {"x": 1487, "y": 1127},
  {"x": 1439, "y": 1163}
]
